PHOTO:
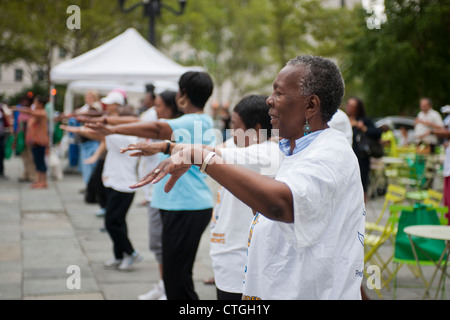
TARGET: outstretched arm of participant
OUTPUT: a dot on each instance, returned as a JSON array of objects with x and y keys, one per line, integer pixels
[
  {"x": 31, "y": 112},
  {"x": 96, "y": 155},
  {"x": 112, "y": 120},
  {"x": 270, "y": 197},
  {"x": 152, "y": 148},
  {"x": 440, "y": 132},
  {"x": 144, "y": 129},
  {"x": 84, "y": 131}
]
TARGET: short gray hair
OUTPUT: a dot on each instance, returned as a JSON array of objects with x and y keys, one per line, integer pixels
[{"x": 322, "y": 78}]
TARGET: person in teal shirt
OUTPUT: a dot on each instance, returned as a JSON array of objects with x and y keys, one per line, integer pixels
[
  {"x": 187, "y": 209},
  {"x": 193, "y": 193}
]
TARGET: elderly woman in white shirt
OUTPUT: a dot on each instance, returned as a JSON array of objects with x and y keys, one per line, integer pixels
[{"x": 306, "y": 239}]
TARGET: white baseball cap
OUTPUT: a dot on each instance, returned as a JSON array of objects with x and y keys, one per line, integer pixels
[{"x": 114, "y": 97}]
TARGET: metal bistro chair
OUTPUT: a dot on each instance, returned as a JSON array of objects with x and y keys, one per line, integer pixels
[
  {"x": 377, "y": 234},
  {"x": 434, "y": 199},
  {"x": 418, "y": 214}
]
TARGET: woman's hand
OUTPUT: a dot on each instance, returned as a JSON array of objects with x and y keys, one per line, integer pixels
[
  {"x": 71, "y": 129},
  {"x": 144, "y": 148},
  {"x": 77, "y": 130},
  {"x": 100, "y": 128},
  {"x": 176, "y": 166},
  {"x": 89, "y": 119}
]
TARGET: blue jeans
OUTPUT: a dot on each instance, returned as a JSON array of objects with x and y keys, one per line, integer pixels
[{"x": 87, "y": 149}]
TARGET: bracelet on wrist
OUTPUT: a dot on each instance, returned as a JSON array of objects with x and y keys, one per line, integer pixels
[
  {"x": 207, "y": 160},
  {"x": 168, "y": 142}
]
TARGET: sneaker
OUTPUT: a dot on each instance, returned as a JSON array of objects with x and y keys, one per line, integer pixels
[
  {"x": 157, "y": 293},
  {"x": 129, "y": 262},
  {"x": 101, "y": 212},
  {"x": 112, "y": 264}
]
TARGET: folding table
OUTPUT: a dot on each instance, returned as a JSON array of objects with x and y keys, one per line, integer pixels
[{"x": 438, "y": 232}]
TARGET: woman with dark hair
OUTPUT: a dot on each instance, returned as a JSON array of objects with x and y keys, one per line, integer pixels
[
  {"x": 37, "y": 137},
  {"x": 186, "y": 211},
  {"x": 168, "y": 109},
  {"x": 252, "y": 148},
  {"x": 361, "y": 125},
  {"x": 165, "y": 107}
]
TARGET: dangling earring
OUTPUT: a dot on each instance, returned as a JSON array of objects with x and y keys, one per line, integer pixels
[{"x": 306, "y": 128}]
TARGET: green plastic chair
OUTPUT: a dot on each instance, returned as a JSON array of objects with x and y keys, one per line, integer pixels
[{"x": 431, "y": 249}]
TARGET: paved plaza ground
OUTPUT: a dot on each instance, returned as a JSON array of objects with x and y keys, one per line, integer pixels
[{"x": 44, "y": 232}]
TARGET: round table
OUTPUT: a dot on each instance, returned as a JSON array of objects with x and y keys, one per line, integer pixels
[{"x": 438, "y": 232}]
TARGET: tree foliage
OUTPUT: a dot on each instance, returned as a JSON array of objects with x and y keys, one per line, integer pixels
[
  {"x": 407, "y": 58},
  {"x": 32, "y": 29},
  {"x": 246, "y": 42}
]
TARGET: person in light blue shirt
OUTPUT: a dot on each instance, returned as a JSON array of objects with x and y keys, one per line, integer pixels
[
  {"x": 187, "y": 209},
  {"x": 192, "y": 193}
]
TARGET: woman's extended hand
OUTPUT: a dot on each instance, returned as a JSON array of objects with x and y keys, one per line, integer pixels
[
  {"x": 144, "y": 148},
  {"x": 74, "y": 129},
  {"x": 176, "y": 166},
  {"x": 100, "y": 128},
  {"x": 89, "y": 119}
]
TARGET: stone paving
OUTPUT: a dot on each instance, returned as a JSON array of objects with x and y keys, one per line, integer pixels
[{"x": 45, "y": 232}]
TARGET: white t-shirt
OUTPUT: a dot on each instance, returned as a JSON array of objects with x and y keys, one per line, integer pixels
[
  {"x": 147, "y": 164},
  {"x": 232, "y": 218},
  {"x": 341, "y": 122},
  {"x": 119, "y": 170},
  {"x": 321, "y": 254},
  {"x": 419, "y": 129}
]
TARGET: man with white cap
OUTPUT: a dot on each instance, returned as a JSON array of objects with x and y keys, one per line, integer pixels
[{"x": 113, "y": 101}]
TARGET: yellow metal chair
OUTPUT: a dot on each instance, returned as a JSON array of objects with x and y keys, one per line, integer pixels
[
  {"x": 378, "y": 233},
  {"x": 394, "y": 194},
  {"x": 402, "y": 173},
  {"x": 434, "y": 199}
]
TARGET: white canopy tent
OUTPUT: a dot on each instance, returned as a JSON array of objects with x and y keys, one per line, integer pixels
[
  {"x": 128, "y": 58},
  {"x": 127, "y": 61}
]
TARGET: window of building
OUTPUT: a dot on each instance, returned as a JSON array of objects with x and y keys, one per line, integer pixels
[
  {"x": 40, "y": 75},
  {"x": 62, "y": 53},
  {"x": 18, "y": 76}
]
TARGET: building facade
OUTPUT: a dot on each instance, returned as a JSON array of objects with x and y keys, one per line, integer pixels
[{"x": 19, "y": 75}]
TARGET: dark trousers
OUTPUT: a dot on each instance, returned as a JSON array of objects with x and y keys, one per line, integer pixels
[
  {"x": 223, "y": 295},
  {"x": 181, "y": 235},
  {"x": 117, "y": 207},
  {"x": 95, "y": 191},
  {"x": 39, "y": 157}
]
